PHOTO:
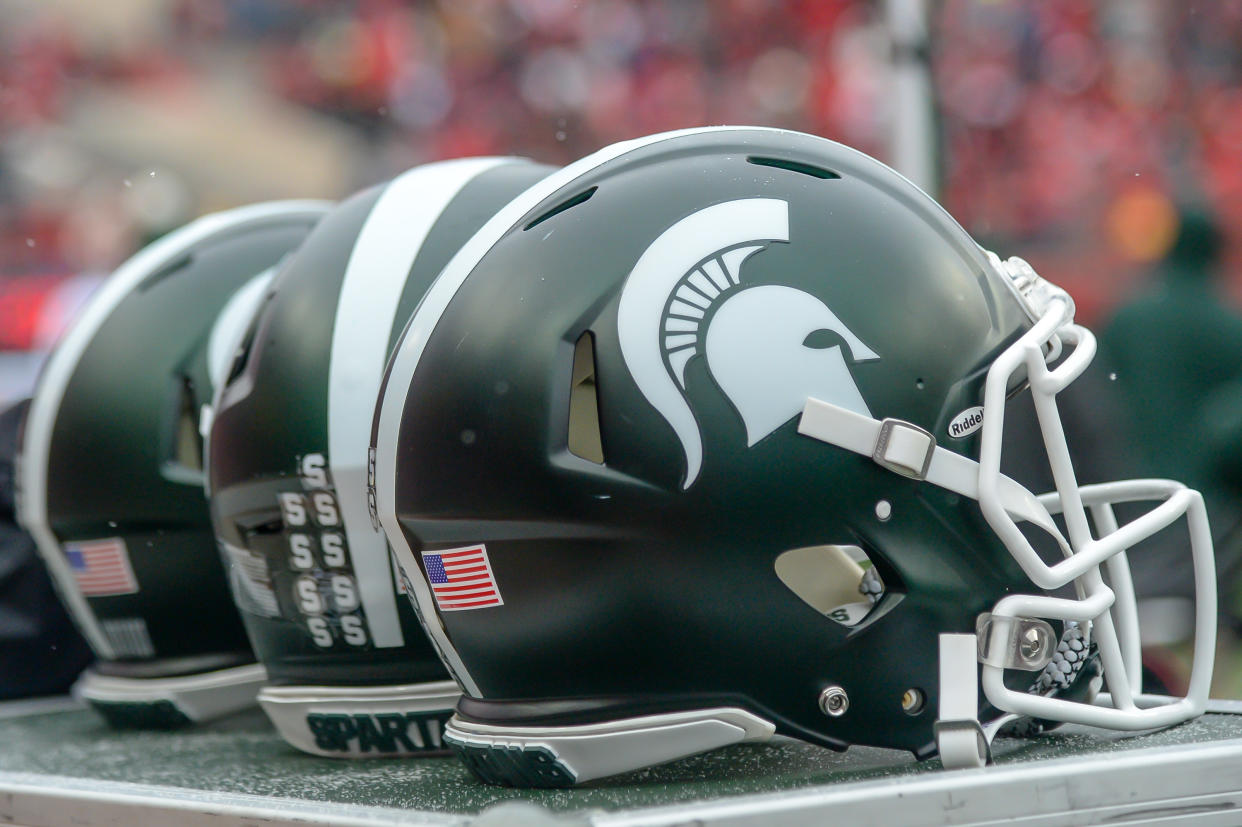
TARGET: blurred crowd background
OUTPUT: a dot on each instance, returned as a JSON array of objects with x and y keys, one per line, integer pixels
[{"x": 1067, "y": 131}]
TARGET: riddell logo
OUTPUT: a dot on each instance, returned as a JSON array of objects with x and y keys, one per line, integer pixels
[
  {"x": 385, "y": 733},
  {"x": 966, "y": 423}
]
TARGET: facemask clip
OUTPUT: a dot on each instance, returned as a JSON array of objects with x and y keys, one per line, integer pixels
[
  {"x": 1035, "y": 292},
  {"x": 1015, "y": 642}
]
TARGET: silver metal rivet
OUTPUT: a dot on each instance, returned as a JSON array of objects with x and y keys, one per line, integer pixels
[
  {"x": 1032, "y": 643},
  {"x": 833, "y": 701},
  {"x": 883, "y": 510}
]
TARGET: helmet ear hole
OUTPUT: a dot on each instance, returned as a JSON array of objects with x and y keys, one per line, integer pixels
[
  {"x": 584, "y": 438},
  {"x": 838, "y": 581}
]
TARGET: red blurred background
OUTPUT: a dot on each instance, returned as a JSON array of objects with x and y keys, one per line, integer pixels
[{"x": 1067, "y": 131}]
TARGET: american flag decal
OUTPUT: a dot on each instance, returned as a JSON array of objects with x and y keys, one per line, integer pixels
[
  {"x": 461, "y": 578},
  {"x": 101, "y": 567},
  {"x": 251, "y": 581}
]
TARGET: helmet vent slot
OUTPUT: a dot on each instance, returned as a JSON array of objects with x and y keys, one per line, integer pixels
[
  {"x": 794, "y": 166},
  {"x": 838, "y": 581},
  {"x": 173, "y": 267},
  {"x": 187, "y": 447},
  {"x": 241, "y": 356},
  {"x": 584, "y": 434},
  {"x": 567, "y": 204}
]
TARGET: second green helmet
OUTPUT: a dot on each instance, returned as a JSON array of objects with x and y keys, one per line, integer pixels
[{"x": 352, "y": 674}]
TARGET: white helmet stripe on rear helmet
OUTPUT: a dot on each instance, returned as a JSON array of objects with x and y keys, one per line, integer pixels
[{"x": 375, "y": 278}]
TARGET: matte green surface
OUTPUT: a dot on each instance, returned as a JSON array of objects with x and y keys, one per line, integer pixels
[{"x": 244, "y": 755}]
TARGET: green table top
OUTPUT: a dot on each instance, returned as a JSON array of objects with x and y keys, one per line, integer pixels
[{"x": 243, "y": 755}]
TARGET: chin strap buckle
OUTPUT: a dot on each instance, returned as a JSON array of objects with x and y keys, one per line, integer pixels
[
  {"x": 960, "y": 737},
  {"x": 904, "y": 448}
]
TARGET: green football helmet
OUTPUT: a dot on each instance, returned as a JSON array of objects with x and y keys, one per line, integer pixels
[
  {"x": 352, "y": 674},
  {"x": 110, "y": 475},
  {"x": 698, "y": 440}
]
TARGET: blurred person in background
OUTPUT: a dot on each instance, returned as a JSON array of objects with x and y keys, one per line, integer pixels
[
  {"x": 1173, "y": 346},
  {"x": 1175, "y": 350}
]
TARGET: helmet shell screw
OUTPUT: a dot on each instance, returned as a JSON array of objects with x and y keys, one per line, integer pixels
[{"x": 833, "y": 701}]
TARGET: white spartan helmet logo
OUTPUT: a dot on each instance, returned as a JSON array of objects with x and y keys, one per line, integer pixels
[{"x": 756, "y": 338}]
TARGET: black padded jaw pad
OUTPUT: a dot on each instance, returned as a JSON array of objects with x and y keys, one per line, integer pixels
[
  {"x": 40, "y": 651},
  {"x": 11, "y": 419}
]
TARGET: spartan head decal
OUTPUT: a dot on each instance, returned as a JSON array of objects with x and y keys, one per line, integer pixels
[{"x": 686, "y": 297}]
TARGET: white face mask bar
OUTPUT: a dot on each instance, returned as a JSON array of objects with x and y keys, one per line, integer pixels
[
  {"x": 1111, "y": 611},
  {"x": 1108, "y": 609}
]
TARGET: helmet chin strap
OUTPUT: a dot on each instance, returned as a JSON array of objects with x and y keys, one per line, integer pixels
[{"x": 910, "y": 451}]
